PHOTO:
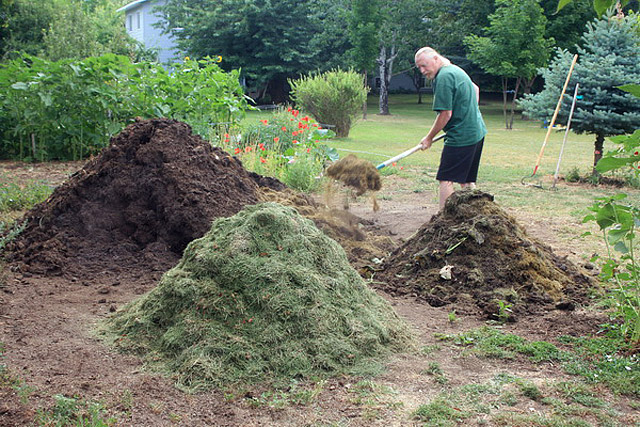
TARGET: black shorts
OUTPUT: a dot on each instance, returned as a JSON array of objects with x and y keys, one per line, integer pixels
[{"x": 460, "y": 164}]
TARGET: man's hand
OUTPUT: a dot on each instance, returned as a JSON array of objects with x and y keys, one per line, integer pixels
[{"x": 426, "y": 142}]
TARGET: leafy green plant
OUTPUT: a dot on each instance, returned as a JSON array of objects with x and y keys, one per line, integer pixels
[
  {"x": 69, "y": 109},
  {"x": 71, "y": 411},
  {"x": 573, "y": 175},
  {"x": 333, "y": 98},
  {"x": 8, "y": 232},
  {"x": 504, "y": 311},
  {"x": 14, "y": 197},
  {"x": 618, "y": 220}
]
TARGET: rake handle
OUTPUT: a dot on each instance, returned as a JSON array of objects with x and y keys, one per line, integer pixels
[
  {"x": 405, "y": 154},
  {"x": 555, "y": 113}
]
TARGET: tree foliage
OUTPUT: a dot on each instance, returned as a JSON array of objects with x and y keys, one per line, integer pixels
[
  {"x": 448, "y": 22},
  {"x": 400, "y": 37},
  {"x": 269, "y": 40},
  {"x": 567, "y": 26},
  {"x": 514, "y": 47},
  {"x": 609, "y": 59},
  {"x": 364, "y": 33},
  {"x": 60, "y": 29}
]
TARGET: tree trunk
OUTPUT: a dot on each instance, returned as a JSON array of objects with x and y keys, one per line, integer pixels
[
  {"x": 383, "y": 103},
  {"x": 385, "y": 63},
  {"x": 513, "y": 103},
  {"x": 505, "y": 86},
  {"x": 597, "y": 152},
  {"x": 364, "y": 106}
]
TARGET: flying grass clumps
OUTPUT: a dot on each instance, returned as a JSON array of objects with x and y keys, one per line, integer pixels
[{"x": 264, "y": 296}]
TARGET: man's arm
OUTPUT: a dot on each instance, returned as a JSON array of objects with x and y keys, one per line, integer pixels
[
  {"x": 477, "y": 89},
  {"x": 443, "y": 118}
]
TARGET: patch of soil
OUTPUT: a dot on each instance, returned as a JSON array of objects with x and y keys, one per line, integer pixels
[
  {"x": 136, "y": 205},
  {"x": 475, "y": 257}
]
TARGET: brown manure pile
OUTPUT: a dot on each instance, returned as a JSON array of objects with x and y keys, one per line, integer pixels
[
  {"x": 136, "y": 206},
  {"x": 357, "y": 173},
  {"x": 476, "y": 258}
]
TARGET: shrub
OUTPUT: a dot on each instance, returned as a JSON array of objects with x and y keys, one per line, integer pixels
[
  {"x": 333, "y": 98},
  {"x": 69, "y": 109}
]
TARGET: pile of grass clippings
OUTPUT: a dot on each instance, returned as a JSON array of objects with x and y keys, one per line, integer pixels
[{"x": 264, "y": 296}]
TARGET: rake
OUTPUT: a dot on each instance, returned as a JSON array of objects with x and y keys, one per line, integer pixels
[
  {"x": 566, "y": 133},
  {"x": 550, "y": 127},
  {"x": 405, "y": 154}
]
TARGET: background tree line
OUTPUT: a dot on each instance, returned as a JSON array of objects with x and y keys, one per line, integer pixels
[{"x": 501, "y": 43}]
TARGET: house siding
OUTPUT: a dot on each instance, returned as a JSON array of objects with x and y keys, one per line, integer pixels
[{"x": 146, "y": 33}]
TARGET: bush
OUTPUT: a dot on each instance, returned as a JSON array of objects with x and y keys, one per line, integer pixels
[
  {"x": 332, "y": 98},
  {"x": 69, "y": 109}
]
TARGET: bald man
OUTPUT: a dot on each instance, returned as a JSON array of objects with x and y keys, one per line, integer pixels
[{"x": 455, "y": 99}]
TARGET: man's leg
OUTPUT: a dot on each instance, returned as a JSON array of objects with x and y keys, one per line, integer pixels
[
  {"x": 446, "y": 190},
  {"x": 469, "y": 185}
]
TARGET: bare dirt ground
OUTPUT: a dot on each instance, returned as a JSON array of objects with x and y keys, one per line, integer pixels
[{"x": 46, "y": 329}]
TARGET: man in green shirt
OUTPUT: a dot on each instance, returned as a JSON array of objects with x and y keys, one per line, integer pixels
[{"x": 455, "y": 99}]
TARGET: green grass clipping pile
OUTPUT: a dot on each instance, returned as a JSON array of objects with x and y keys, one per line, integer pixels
[{"x": 263, "y": 297}]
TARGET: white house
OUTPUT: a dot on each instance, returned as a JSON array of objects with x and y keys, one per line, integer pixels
[{"x": 140, "y": 17}]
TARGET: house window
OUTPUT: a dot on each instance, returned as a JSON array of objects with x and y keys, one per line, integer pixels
[
  {"x": 138, "y": 20},
  {"x": 130, "y": 22}
]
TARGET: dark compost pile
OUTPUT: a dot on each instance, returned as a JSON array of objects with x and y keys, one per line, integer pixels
[
  {"x": 136, "y": 205},
  {"x": 475, "y": 257}
]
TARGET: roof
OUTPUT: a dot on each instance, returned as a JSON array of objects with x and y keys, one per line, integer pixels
[{"x": 131, "y": 5}]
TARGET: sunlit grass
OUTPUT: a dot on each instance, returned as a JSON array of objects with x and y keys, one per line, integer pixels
[{"x": 509, "y": 156}]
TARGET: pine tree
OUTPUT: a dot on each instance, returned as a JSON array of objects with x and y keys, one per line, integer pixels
[{"x": 610, "y": 58}]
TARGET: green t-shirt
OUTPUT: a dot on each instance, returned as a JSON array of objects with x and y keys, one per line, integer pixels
[{"x": 453, "y": 90}]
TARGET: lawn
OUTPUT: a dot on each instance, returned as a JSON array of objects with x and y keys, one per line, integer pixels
[{"x": 508, "y": 157}]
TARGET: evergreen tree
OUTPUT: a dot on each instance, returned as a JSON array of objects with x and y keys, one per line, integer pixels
[{"x": 610, "y": 58}]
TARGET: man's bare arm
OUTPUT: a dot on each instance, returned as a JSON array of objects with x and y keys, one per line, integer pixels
[{"x": 443, "y": 118}]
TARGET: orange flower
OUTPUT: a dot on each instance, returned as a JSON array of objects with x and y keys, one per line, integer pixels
[
  {"x": 295, "y": 113},
  {"x": 305, "y": 118},
  {"x": 236, "y": 151},
  {"x": 315, "y": 125},
  {"x": 294, "y": 133},
  {"x": 289, "y": 109},
  {"x": 261, "y": 146},
  {"x": 295, "y": 141},
  {"x": 247, "y": 149},
  {"x": 226, "y": 136},
  {"x": 393, "y": 164},
  {"x": 263, "y": 160},
  {"x": 309, "y": 150},
  {"x": 264, "y": 122},
  {"x": 276, "y": 139},
  {"x": 284, "y": 129},
  {"x": 300, "y": 125}
]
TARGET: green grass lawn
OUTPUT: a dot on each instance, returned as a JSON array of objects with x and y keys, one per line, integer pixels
[{"x": 509, "y": 155}]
